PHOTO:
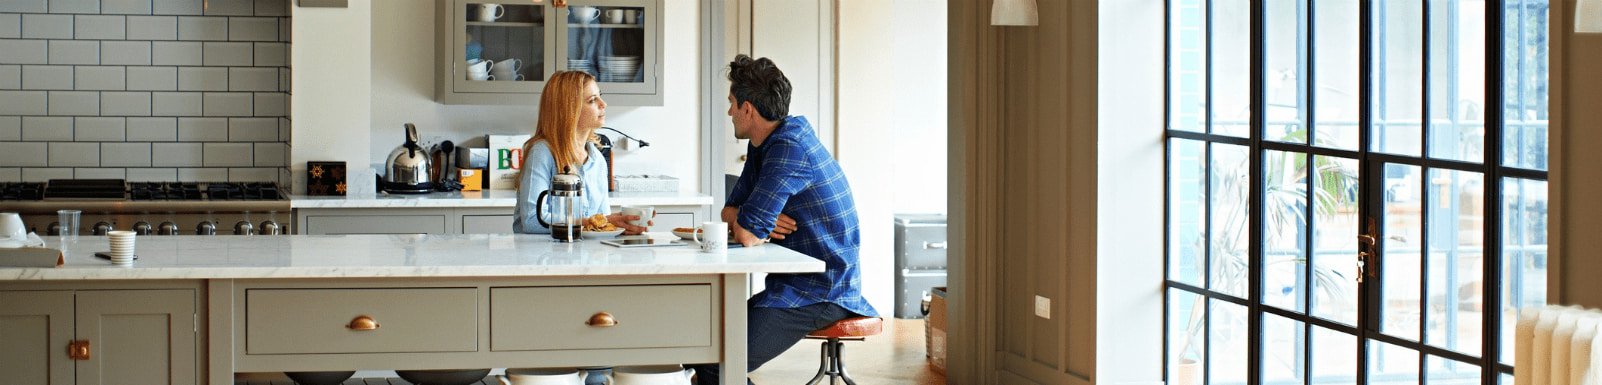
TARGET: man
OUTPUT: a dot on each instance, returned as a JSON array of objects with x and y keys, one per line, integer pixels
[{"x": 793, "y": 192}]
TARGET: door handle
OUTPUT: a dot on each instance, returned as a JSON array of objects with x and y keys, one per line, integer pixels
[{"x": 934, "y": 245}]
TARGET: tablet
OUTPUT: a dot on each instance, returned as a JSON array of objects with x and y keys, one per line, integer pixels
[{"x": 643, "y": 242}]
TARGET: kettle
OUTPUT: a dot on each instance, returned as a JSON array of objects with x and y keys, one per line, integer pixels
[
  {"x": 406, "y": 168},
  {"x": 568, "y": 191}
]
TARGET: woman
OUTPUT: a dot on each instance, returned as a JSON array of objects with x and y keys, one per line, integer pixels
[{"x": 571, "y": 110}]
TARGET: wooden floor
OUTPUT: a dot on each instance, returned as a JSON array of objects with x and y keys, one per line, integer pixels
[{"x": 895, "y": 357}]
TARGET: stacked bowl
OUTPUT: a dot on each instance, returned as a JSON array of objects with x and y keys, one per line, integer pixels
[
  {"x": 619, "y": 69},
  {"x": 581, "y": 65}
]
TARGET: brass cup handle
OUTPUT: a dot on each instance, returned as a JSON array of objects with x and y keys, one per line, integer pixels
[
  {"x": 78, "y": 350},
  {"x": 362, "y": 323},
  {"x": 602, "y": 320}
]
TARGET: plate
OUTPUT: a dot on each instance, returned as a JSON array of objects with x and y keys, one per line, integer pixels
[
  {"x": 601, "y": 234},
  {"x": 685, "y": 235}
]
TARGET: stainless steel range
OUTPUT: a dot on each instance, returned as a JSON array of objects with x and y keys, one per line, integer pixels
[{"x": 159, "y": 208}]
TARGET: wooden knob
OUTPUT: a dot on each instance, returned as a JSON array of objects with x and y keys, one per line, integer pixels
[
  {"x": 602, "y": 320},
  {"x": 362, "y": 322}
]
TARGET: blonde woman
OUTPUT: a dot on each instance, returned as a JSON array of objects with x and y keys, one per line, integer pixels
[{"x": 571, "y": 110}]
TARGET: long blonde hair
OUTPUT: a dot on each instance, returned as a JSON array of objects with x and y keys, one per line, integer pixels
[{"x": 560, "y": 106}]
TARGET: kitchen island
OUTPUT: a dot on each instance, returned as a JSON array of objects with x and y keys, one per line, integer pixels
[
  {"x": 198, "y": 309},
  {"x": 463, "y": 212}
]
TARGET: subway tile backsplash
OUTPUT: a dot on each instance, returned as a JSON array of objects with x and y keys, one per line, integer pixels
[{"x": 147, "y": 90}]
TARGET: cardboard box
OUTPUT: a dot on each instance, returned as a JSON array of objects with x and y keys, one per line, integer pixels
[
  {"x": 472, "y": 179},
  {"x": 935, "y": 330},
  {"x": 506, "y": 160}
]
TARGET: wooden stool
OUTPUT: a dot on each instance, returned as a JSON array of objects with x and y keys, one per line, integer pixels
[{"x": 849, "y": 329}]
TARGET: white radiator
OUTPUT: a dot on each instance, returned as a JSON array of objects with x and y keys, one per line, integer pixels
[{"x": 1556, "y": 346}]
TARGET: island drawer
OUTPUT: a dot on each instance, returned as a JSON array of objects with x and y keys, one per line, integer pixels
[
  {"x": 301, "y": 321},
  {"x": 554, "y": 318}
]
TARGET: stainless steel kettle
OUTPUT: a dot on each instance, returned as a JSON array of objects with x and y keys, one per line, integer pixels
[{"x": 406, "y": 168}]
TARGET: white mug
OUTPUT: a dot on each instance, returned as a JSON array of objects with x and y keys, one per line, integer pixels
[
  {"x": 644, "y": 212},
  {"x": 631, "y": 16},
  {"x": 11, "y": 226},
  {"x": 584, "y": 15},
  {"x": 614, "y": 16},
  {"x": 479, "y": 65},
  {"x": 712, "y": 236},
  {"x": 543, "y": 376},
  {"x": 475, "y": 75},
  {"x": 512, "y": 65},
  {"x": 506, "y": 76},
  {"x": 652, "y": 375},
  {"x": 490, "y": 12}
]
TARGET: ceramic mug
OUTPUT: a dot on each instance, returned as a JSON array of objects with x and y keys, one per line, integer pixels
[
  {"x": 506, "y": 76},
  {"x": 543, "y": 376},
  {"x": 490, "y": 12},
  {"x": 712, "y": 236},
  {"x": 511, "y": 65},
  {"x": 614, "y": 16},
  {"x": 11, "y": 226},
  {"x": 475, "y": 75},
  {"x": 652, "y": 375},
  {"x": 584, "y": 15},
  {"x": 631, "y": 16},
  {"x": 479, "y": 65},
  {"x": 644, "y": 212}
]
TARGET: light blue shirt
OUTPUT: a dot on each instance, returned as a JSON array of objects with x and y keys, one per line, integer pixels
[{"x": 538, "y": 167}]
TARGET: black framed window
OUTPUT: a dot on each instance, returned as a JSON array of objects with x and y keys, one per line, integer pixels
[{"x": 1356, "y": 189}]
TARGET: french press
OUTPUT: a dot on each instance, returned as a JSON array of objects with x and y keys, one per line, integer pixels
[{"x": 568, "y": 191}]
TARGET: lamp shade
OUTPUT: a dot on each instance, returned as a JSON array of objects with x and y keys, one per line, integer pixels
[
  {"x": 1014, "y": 12},
  {"x": 1588, "y": 16}
]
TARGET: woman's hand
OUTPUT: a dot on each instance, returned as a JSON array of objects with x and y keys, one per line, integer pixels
[{"x": 622, "y": 222}]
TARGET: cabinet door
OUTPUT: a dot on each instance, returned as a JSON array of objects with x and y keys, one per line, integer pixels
[
  {"x": 487, "y": 224},
  {"x": 374, "y": 224},
  {"x": 509, "y": 37},
  {"x": 35, "y": 327},
  {"x": 138, "y": 337},
  {"x": 615, "y": 40}
]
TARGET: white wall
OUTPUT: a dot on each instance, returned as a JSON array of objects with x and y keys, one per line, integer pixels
[
  {"x": 331, "y": 102},
  {"x": 403, "y": 91},
  {"x": 864, "y": 126},
  {"x": 918, "y": 72}
]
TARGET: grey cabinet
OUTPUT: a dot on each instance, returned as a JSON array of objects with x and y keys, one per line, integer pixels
[
  {"x": 99, "y": 337},
  {"x": 373, "y": 224},
  {"x": 503, "y": 51}
]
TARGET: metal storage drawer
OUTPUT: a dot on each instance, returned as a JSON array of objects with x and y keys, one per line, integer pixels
[
  {"x": 911, "y": 287},
  {"x": 920, "y": 241},
  {"x": 553, "y": 318},
  {"x": 301, "y": 321}
]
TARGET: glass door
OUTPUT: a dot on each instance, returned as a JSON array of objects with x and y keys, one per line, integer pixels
[
  {"x": 500, "y": 46},
  {"x": 614, "y": 40}
]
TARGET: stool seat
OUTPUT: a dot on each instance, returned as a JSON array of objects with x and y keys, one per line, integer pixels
[{"x": 854, "y": 327}]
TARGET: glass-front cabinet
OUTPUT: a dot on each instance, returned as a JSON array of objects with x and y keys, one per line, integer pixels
[{"x": 502, "y": 51}]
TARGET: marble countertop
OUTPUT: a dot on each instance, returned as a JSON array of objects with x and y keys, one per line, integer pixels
[
  {"x": 371, "y": 256},
  {"x": 487, "y": 198}
]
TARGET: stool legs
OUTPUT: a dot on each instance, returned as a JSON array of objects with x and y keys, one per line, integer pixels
[{"x": 831, "y": 365}]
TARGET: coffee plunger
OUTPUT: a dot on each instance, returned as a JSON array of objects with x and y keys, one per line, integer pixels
[{"x": 567, "y": 191}]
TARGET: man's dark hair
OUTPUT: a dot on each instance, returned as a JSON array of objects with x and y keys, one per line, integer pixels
[{"x": 760, "y": 82}]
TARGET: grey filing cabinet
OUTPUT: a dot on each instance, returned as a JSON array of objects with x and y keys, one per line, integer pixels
[{"x": 920, "y": 260}]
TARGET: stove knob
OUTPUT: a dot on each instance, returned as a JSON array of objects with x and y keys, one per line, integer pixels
[
  {"x": 270, "y": 228},
  {"x": 142, "y": 228},
  {"x": 167, "y": 228},
  {"x": 244, "y": 228},
  {"x": 101, "y": 228},
  {"x": 206, "y": 228},
  {"x": 53, "y": 229}
]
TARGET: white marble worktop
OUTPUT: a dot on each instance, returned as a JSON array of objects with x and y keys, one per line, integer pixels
[
  {"x": 371, "y": 256},
  {"x": 486, "y": 198}
]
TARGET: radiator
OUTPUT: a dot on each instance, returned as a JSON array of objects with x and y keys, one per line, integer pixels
[{"x": 1556, "y": 346}]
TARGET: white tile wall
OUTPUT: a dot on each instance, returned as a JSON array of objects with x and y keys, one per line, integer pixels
[{"x": 149, "y": 90}]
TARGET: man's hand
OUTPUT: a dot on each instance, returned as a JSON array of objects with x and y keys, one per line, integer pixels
[
  {"x": 784, "y": 226},
  {"x": 745, "y": 237}
]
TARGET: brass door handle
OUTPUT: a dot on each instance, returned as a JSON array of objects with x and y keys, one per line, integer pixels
[
  {"x": 602, "y": 320},
  {"x": 78, "y": 350},
  {"x": 1366, "y": 239},
  {"x": 362, "y": 323}
]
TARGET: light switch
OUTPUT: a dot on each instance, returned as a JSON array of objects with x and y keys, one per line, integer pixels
[{"x": 1043, "y": 307}]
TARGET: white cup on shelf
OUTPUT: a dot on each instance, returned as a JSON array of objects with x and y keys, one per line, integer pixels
[
  {"x": 584, "y": 15},
  {"x": 490, "y": 12},
  {"x": 614, "y": 16}
]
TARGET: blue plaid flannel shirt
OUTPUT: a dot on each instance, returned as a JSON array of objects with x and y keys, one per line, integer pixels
[{"x": 792, "y": 173}]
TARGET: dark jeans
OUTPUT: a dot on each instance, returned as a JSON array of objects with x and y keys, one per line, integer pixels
[{"x": 771, "y": 331}]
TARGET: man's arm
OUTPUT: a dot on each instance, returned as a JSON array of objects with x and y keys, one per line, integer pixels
[{"x": 784, "y": 173}]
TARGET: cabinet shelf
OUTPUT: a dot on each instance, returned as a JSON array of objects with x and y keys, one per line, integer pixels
[
  {"x": 631, "y": 26},
  {"x": 503, "y": 24}
]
